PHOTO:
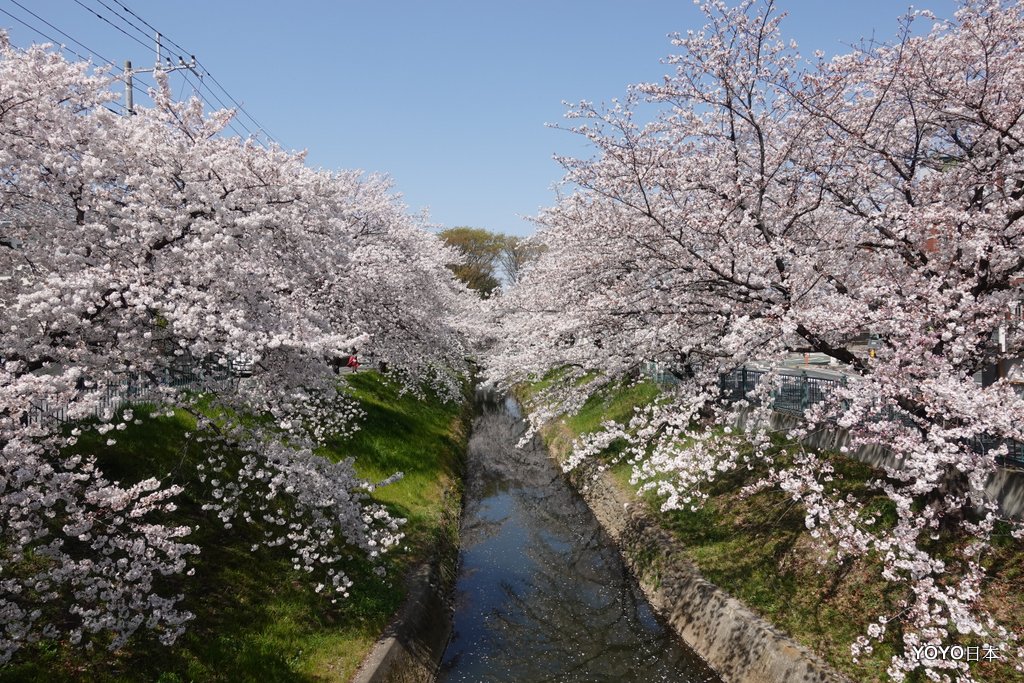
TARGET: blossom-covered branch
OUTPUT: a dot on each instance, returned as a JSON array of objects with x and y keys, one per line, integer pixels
[{"x": 776, "y": 205}]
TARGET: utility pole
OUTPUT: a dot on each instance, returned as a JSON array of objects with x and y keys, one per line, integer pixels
[{"x": 129, "y": 101}]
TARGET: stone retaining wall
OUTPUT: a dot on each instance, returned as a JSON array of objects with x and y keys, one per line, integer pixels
[
  {"x": 741, "y": 646},
  {"x": 411, "y": 648},
  {"x": 1005, "y": 486}
]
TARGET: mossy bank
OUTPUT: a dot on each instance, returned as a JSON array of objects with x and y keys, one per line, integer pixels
[
  {"x": 758, "y": 550},
  {"x": 257, "y": 619}
]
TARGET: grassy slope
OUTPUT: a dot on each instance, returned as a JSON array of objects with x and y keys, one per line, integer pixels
[
  {"x": 758, "y": 549},
  {"x": 255, "y": 620}
]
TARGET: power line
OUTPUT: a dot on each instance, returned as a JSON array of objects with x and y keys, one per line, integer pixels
[
  {"x": 231, "y": 123},
  {"x": 65, "y": 48},
  {"x": 150, "y": 26},
  {"x": 135, "y": 87},
  {"x": 198, "y": 90},
  {"x": 83, "y": 46},
  {"x": 125, "y": 19},
  {"x": 62, "y": 46},
  {"x": 103, "y": 18},
  {"x": 219, "y": 101},
  {"x": 182, "y": 51},
  {"x": 107, "y": 105},
  {"x": 237, "y": 104},
  {"x": 44, "y": 35}
]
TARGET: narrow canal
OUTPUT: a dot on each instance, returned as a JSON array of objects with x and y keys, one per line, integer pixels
[{"x": 542, "y": 594}]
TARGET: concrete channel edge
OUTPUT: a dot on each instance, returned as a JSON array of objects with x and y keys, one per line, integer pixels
[
  {"x": 738, "y": 644},
  {"x": 412, "y": 646}
]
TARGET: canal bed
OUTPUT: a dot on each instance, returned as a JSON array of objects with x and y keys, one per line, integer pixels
[{"x": 542, "y": 594}]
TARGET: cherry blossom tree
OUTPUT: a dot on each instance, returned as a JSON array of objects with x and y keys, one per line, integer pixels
[
  {"x": 153, "y": 243},
  {"x": 775, "y": 205}
]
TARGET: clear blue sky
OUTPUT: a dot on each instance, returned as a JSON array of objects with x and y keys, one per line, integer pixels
[{"x": 450, "y": 98}]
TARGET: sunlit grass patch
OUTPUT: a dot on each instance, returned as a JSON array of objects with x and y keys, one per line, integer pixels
[
  {"x": 616, "y": 403},
  {"x": 257, "y": 619},
  {"x": 757, "y": 547}
]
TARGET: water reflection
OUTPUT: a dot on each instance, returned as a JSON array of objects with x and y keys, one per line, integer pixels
[{"x": 542, "y": 594}]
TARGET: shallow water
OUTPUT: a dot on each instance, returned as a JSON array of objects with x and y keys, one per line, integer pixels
[{"x": 542, "y": 594}]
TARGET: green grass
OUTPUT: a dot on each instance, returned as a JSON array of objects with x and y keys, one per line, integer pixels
[
  {"x": 758, "y": 549},
  {"x": 617, "y": 403},
  {"x": 255, "y": 619}
]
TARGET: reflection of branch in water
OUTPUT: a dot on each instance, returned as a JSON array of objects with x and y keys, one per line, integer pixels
[
  {"x": 555, "y": 630},
  {"x": 562, "y": 639},
  {"x": 570, "y": 612},
  {"x": 589, "y": 582}
]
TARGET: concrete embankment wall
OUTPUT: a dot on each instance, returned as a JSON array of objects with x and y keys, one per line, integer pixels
[
  {"x": 1005, "y": 486},
  {"x": 738, "y": 644},
  {"x": 411, "y": 648},
  {"x": 741, "y": 646}
]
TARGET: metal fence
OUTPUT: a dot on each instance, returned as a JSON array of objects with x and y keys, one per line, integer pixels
[
  {"x": 797, "y": 390},
  {"x": 133, "y": 388},
  {"x": 659, "y": 373}
]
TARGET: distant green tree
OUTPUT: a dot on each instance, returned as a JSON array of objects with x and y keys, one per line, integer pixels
[
  {"x": 489, "y": 258},
  {"x": 480, "y": 250},
  {"x": 515, "y": 254}
]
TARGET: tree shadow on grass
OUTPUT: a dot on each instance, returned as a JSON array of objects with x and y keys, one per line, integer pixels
[
  {"x": 253, "y": 616},
  {"x": 398, "y": 433},
  {"x": 254, "y": 613}
]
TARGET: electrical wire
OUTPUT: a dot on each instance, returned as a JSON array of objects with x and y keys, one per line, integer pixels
[
  {"x": 236, "y": 102},
  {"x": 103, "y": 18},
  {"x": 81, "y": 45},
  {"x": 183, "y": 51},
  {"x": 233, "y": 125},
  {"x": 29, "y": 26},
  {"x": 127, "y": 21},
  {"x": 149, "y": 25},
  {"x": 197, "y": 88},
  {"x": 44, "y": 35},
  {"x": 64, "y": 47}
]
